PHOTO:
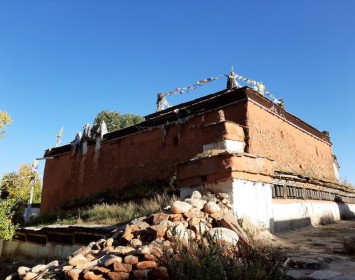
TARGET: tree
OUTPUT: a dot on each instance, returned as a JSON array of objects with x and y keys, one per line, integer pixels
[
  {"x": 115, "y": 121},
  {"x": 7, "y": 228},
  {"x": 4, "y": 120},
  {"x": 18, "y": 184}
]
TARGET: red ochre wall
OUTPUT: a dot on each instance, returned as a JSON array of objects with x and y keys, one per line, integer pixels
[
  {"x": 144, "y": 157},
  {"x": 293, "y": 150},
  {"x": 136, "y": 158}
]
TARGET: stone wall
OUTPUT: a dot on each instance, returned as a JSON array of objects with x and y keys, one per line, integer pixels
[{"x": 15, "y": 248}]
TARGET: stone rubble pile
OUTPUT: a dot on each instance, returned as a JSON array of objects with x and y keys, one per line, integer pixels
[{"x": 135, "y": 251}]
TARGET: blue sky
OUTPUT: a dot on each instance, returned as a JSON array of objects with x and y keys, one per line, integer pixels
[{"x": 62, "y": 62}]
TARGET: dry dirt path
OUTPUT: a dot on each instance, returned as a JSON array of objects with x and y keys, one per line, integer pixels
[{"x": 323, "y": 252}]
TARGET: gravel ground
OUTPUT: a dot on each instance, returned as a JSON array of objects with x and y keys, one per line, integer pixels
[{"x": 322, "y": 252}]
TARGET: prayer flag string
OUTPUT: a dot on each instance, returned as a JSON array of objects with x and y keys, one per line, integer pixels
[
  {"x": 193, "y": 86},
  {"x": 162, "y": 103}
]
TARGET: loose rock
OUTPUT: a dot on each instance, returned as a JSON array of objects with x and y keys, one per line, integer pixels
[
  {"x": 180, "y": 207},
  {"x": 146, "y": 264},
  {"x": 78, "y": 259},
  {"x": 211, "y": 207},
  {"x": 196, "y": 195},
  {"x": 224, "y": 235},
  {"x": 73, "y": 274},
  {"x": 145, "y": 241}
]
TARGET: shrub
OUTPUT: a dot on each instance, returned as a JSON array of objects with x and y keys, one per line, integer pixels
[
  {"x": 50, "y": 217},
  {"x": 7, "y": 228},
  {"x": 215, "y": 261}
]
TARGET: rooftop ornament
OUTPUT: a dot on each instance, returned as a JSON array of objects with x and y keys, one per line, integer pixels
[
  {"x": 232, "y": 78},
  {"x": 232, "y": 81},
  {"x": 162, "y": 103},
  {"x": 59, "y": 137}
]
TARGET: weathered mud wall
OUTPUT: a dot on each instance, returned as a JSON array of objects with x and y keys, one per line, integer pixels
[
  {"x": 293, "y": 149},
  {"x": 127, "y": 158},
  {"x": 147, "y": 156}
]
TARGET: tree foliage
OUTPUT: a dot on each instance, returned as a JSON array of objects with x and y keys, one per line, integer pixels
[
  {"x": 19, "y": 184},
  {"x": 7, "y": 228},
  {"x": 4, "y": 120},
  {"x": 115, "y": 121}
]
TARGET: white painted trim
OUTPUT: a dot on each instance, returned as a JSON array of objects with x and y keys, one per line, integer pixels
[
  {"x": 336, "y": 171},
  {"x": 98, "y": 144},
  {"x": 232, "y": 146},
  {"x": 85, "y": 147}
]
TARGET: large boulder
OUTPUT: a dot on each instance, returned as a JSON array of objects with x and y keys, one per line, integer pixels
[
  {"x": 180, "y": 207},
  {"x": 223, "y": 235},
  {"x": 211, "y": 207}
]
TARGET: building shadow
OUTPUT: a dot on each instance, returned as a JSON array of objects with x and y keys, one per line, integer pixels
[
  {"x": 344, "y": 209},
  {"x": 287, "y": 225}
]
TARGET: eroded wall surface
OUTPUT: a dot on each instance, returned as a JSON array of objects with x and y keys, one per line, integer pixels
[
  {"x": 147, "y": 156},
  {"x": 152, "y": 154},
  {"x": 292, "y": 149}
]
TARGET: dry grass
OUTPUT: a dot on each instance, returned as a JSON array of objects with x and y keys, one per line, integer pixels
[
  {"x": 108, "y": 214},
  {"x": 124, "y": 212},
  {"x": 215, "y": 261},
  {"x": 347, "y": 183},
  {"x": 209, "y": 153}
]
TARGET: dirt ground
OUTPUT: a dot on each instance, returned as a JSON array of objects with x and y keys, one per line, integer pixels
[
  {"x": 8, "y": 266},
  {"x": 323, "y": 252}
]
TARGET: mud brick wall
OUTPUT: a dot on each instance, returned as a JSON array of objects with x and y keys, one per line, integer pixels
[
  {"x": 147, "y": 156},
  {"x": 293, "y": 149},
  {"x": 131, "y": 157}
]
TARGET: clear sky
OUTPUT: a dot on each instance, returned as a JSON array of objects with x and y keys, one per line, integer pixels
[{"x": 63, "y": 61}]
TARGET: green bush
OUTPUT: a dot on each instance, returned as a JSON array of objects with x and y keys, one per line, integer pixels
[{"x": 7, "y": 228}]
